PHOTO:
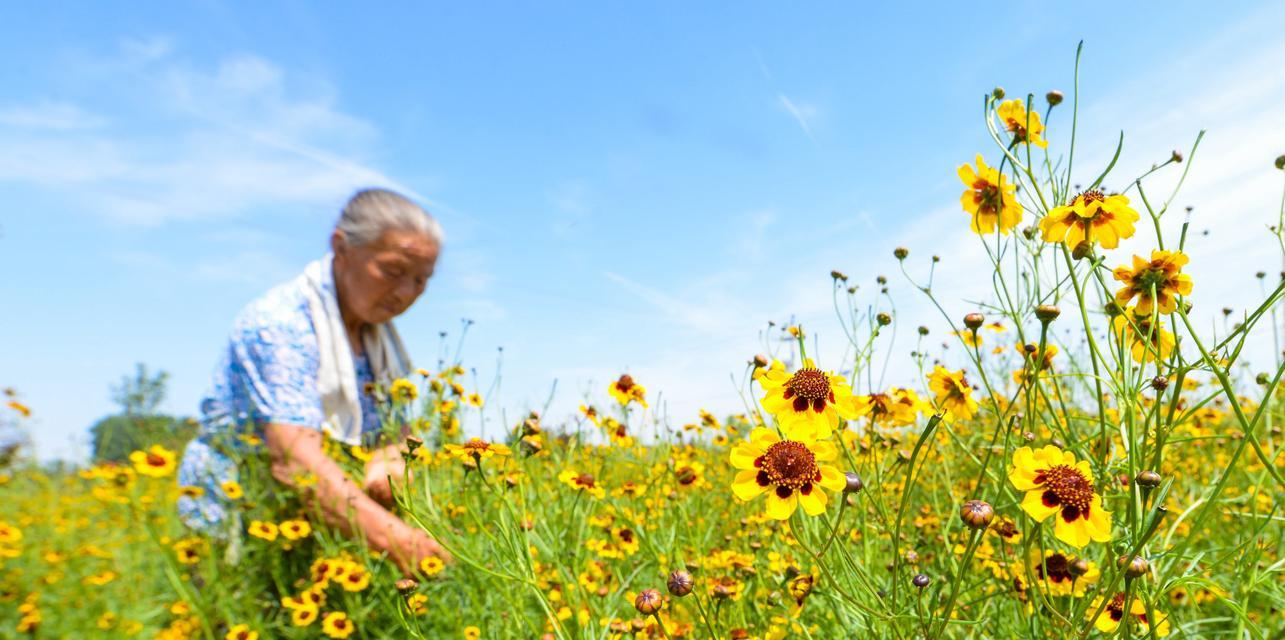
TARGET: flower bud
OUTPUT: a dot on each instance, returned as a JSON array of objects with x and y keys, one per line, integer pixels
[
  {"x": 1160, "y": 383},
  {"x": 1054, "y": 97},
  {"x": 1262, "y": 378},
  {"x": 1047, "y": 312},
  {"x": 760, "y": 361},
  {"x": 974, "y": 320},
  {"x": 1280, "y": 162},
  {"x": 976, "y": 514},
  {"x": 1148, "y": 478},
  {"x": 1078, "y": 567},
  {"x": 413, "y": 443},
  {"x": 998, "y": 93},
  {"x": 406, "y": 586},
  {"x": 920, "y": 580},
  {"x": 1082, "y": 250},
  {"x": 854, "y": 483},
  {"x": 883, "y": 319},
  {"x": 1135, "y": 568},
  {"x": 680, "y": 583},
  {"x": 1177, "y": 156},
  {"x": 839, "y": 275},
  {"x": 923, "y": 331},
  {"x": 648, "y": 602},
  {"x": 900, "y": 253}
]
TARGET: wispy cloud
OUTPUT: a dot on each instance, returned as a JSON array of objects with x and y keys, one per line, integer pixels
[
  {"x": 802, "y": 114},
  {"x": 58, "y": 116}
]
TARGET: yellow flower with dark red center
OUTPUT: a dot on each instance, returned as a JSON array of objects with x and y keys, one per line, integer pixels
[
  {"x": 809, "y": 402},
  {"x": 1055, "y": 574},
  {"x": 403, "y": 391},
  {"x": 263, "y": 530},
  {"x": 431, "y": 566},
  {"x": 989, "y": 198},
  {"x": 476, "y": 450},
  {"x": 1057, "y": 485},
  {"x": 582, "y": 482},
  {"x": 9, "y": 534},
  {"x": 191, "y": 491},
  {"x": 232, "y": 489},
  {"x": 295, "y": 529},
  {"x": 356, "y": 578},
  {"x": 1091, "y": 217},
  {"x": 625, "y": 390},
  {"x": 898, "y": 407},
  {"x": 472, "y": 633},
  {"x": 155, "y": 462},
  {"x": 304, "y": 615},
  {"x": 1155, "y": 282},
  {"x": 337, "y": 625},
  {"x": 1146, "y": 337},
  {"x": 241, "y": 632},
  {"x": 1113, "y": 614},
  {"x": 790, "y": 472},
  {"x": 474, "y": 399},
  {"x": 1025, "y": 126},
  {"x": 953, "y": 393},
  {"x": 1032, "y": 361}
]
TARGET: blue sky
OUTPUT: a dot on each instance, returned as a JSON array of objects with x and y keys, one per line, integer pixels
[{"x": 624, "y": 186}]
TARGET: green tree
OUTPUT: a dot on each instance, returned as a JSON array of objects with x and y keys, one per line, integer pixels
[{"x": 139, "y": 424}]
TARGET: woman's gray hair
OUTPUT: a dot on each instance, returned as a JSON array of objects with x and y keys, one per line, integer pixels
[{"x": 371, "y": 212}]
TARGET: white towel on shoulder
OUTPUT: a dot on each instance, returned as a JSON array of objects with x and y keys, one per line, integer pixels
[{"x": 337, "y": 377}]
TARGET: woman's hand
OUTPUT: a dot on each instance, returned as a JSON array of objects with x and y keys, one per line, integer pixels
[
  {"x": 413, "y": 545},
  {"x": 384, "y": 464}
]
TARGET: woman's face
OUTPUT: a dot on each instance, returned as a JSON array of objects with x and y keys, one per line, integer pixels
[{"x": 381, "y": 280}]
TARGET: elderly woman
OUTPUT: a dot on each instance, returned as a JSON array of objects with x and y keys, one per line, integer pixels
[{"x": 297, "y": 363}]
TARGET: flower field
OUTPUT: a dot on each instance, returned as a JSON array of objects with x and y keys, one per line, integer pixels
[{"x": 1089, "y": 459}]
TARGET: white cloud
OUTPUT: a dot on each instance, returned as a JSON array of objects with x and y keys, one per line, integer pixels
[{"x": 803, "y": 114}]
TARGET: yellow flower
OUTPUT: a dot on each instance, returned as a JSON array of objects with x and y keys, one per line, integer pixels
[
  {"x": 1024, "y": 126},
  {"x": 263, "y": 530},
  {"x": 356, "y": 578},
  {"x": 403, "y": 390},
  {"x": 472, "y": 633},
  {"x": 476, "y": 450},
  {"x": 1109, "y": 620},
  {"x": 304, "y": 615},
  {"x": 232, "y": 489},
  {"x": 1056, "y": 484},
  {"x": 581, "y": 481},
  {"x": 808, "y": 403},
  {"x": 1091, "y": 217},
  {"x": 474, "y": 399},
  {"x": 22, "y": 409},
  {"x": 431, "y": 566},
  {"x": 1146, "y": 339},
  {"x": 1053, "y": 571},
  {"x": 241, "y": 632},
  {"x": 790, "y": 472},
  {"x": 953, "y": 392},
  {"x": 897, "y": 407},
  {"x": 295, "y": 529},
  {"x": 625, "y": 390},
  {"x": 1154, "y": 281},
  {"x": 337, "y": 625},
  {"x": 156, "y": 462},
  {"x": 989, "y": 198}
]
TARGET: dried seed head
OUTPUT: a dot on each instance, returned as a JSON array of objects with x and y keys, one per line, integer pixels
[
  {"x": 1148, "y": 478},
  {"x": 900, "y": 253},
  {"x": 680, "y": 583},
  {"x": 920, "y": 580},
  {"x": 853, "y": 482},
  {"x": 974, "y": 320},
  {"x": 1047, "y": 312},
  {"x": 976, "y": 514},
  {"x": 1054, "y": 98},
  {"x": 648, "y": 602}
]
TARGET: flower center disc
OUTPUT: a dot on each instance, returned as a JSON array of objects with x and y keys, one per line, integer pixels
[
  {"x": 1066, "y": 487},
  {"x": 788, "y": 464},
  {"x": 809, "y": 387}
]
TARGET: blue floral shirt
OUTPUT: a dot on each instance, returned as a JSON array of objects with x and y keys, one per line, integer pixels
[{"x": 266, "y": 374}]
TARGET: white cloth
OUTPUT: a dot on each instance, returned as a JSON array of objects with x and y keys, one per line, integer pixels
[{"x": 336, "y": 377}]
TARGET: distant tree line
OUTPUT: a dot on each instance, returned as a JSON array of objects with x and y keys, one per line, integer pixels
[{"x": 139, "y": 424}]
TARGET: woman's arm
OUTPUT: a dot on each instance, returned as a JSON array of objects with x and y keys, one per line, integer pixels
[{"x": 296, "y": 451}]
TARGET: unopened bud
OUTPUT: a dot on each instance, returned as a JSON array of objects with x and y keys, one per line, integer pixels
[
  {"x": 760, "y": 361},
  {"x": 900, "y": 253},
  {"x": 853, "y": 482},
  {"x": 883, "y": 319},
  {"x": 680, "y": 583},
  {"x": 839, "y": 275},
  {"x": 648, "y": 602},
  {"x": 1280, "y": 162},
  {"x": 998, "y": 93},
  {"x": 1177, "y": 156},
  {"x": 1054, "y": 98},
  {"x": 1262, "y": 378},
  {"x": 1082, "y": 250},
  {"x": 1134, "y": 568},
  {"x": 974, "y": 320},
  {"x": 406, "y": 586},
  {"x": 1160, "y": 383},
  {"x": 1148, "y": 478},
  {"x": 1078, "y": 567},
  {"x": 923, "y": 331},
  {"x": 976, "y": 514},
  {"x": 413, "y": 443},
  {"x": 1047, "y": 312},
  {"x": 920, "y": 580}
]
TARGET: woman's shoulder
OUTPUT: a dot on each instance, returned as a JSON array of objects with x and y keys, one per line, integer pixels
[{"x": 280, "y": 313}]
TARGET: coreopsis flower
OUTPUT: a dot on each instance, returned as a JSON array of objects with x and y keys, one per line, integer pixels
[
  {"x": 355, "y": 578},
  {"x": 953, "y": 393},
  {"x": 582, "y": 482},
  {"x": 431, "y": 566},
  {"x": 337, "y": 625},
  {"x": 472, "y": 633},
  {"x": 625, "y": 390},
  {"x": 791, "y": 472},
  {"x": 1057, "y": 485},
  {"x": 476, "y": 450},
  {"x": 989, "y": 198},
  {"x": 1030, "y": 356},
  {"x": 263, "y": 530},
  {"x": 1155, "y": 282},
  {"x": 1146, "y": 337},
  {"x": 241, "y": 632},
  {"x": 898, "y": 407},
  {"x": 1025, "y": 126},
  {"x": 1113, "y": 614},
  {"x": 1056, "y": 574},
  {"x": 295, "y": 529},
  {"x": 403, "y": 390},
  {"x": 304, "y": 615},
  {"x": 1091, "y": 217},
  {"x": 810, "y": 402},
  {"x": 232, "y": 489},
  {"x": 155, "y": 462}
]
